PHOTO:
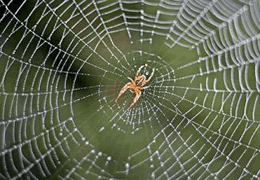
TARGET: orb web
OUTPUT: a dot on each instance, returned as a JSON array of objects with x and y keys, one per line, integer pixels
[{"x": 63, "y": 64}]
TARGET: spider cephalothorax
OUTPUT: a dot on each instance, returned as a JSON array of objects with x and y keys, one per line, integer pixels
[{"x": 135, "y": 86}]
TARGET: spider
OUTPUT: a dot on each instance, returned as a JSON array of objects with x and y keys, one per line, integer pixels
[{"x": 135, "y": 86}]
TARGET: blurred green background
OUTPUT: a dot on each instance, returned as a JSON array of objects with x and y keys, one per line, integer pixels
[{"x": 63, "y": 64}]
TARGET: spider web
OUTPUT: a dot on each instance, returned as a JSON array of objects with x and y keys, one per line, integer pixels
[{"x": 63, "y": 64}]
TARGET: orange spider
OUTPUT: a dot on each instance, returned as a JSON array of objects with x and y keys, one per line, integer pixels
[{"x": 135, "y": 86}]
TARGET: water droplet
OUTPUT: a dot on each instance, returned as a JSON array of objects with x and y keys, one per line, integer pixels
[
  {"x": 152, "y": 175},
  {"x": 109, "y": 158}
]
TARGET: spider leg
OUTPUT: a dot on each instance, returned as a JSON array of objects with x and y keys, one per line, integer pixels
[
  {"x": 145, "y": 87},
  {"x": 150, "y": 76},
  {"x": 136, "y": 75},
  {"x": 137, "y": 96},
  {"x": 124, "y": 88},
  {"x": 133, "y": 82}
]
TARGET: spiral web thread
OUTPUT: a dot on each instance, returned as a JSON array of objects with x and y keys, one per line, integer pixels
[{"x": 63, "y": 64}]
